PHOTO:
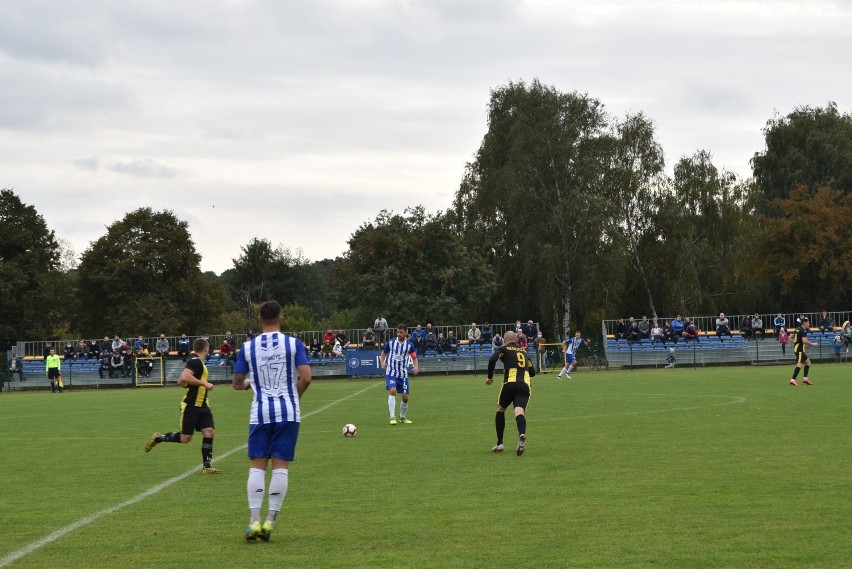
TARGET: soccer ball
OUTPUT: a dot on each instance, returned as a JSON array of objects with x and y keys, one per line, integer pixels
[{"x": 349, "y": 430}]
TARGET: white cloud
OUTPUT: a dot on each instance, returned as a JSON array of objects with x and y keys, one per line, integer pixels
[{"x": 320, "y": 114}]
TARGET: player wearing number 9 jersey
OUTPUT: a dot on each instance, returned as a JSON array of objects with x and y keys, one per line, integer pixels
[
  {"x": 517, "y": 371},
  {"x": 275, "y": 367}
]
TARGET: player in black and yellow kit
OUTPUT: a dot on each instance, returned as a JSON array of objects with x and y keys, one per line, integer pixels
[
  {"x": 517, "y": 371},
  {"x": 195, "y": 413},
  {"x": 802, "y": 359}
]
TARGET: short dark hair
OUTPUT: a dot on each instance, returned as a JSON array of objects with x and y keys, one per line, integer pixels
[
  {"x": 401, "y": 327},
  {"x": 269, "y": 312},
  {"x": 199, "y": 345},
  {"x": 805, "y": 319}
]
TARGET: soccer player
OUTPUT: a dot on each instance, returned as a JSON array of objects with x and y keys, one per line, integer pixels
[
  {"x": 53, "y": 365},
  {"x": 195, "y": 413},
  {"x": 569, "y": 351},
  {"x": 802, "y": 360},
  {"x": 394, "y": 360},
  {"x": 517, "y": 371},
  {"x": 275, "y": 366}
]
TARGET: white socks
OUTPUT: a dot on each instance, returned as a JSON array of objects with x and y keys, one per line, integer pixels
[
  {"x": 392, "y": 405},
  {"x": 403, "y": 408},
  {"x": 256, "y": 489},
  {"x": 563, "y": 372},
  {"x": 277, "y": 492}
]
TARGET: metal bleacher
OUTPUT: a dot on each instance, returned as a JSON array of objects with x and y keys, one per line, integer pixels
[{"x": 711, "y": 349}]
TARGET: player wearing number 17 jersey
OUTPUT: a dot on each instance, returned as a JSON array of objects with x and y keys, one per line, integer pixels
[
  {"x": 275, "y": 367},
  {"x": 517, "y": 371}
]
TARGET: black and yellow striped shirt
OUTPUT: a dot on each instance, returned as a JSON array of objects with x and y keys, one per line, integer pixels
[
  {"x": 517, "y": 365},
  {"x": 196, "y": 395}
]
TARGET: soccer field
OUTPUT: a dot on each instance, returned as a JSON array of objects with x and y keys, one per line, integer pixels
[{"x": 713, "y": 467}]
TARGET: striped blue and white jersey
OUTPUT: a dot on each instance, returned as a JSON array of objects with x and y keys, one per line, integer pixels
[
  {"x": 571, "y": 345},
  {"x": 397, "y": 355},
  {"x": 269, "y": 361}
]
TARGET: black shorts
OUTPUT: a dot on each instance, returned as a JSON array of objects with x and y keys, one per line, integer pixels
[
  {"x": 515, "y": 393},
  {"x": 801, "y": 357},
  {"x": 194, "y": 418},
  {"x": 53, "y": 373}
]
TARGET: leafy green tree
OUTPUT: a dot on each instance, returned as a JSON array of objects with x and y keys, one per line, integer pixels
[
  {"x": 263, "y": 272},
  {"x": 706, "y": 255},
  {"x": 811, "y": 146},
  {"x": 808, "y": 248},
  {"x": 36, "y": 294},
  {"x": 635, "y": 178},
  {"x": 412, "y": 268},
  {"x": 143, "y": 277},
  {"x": 535, "y": 202}
]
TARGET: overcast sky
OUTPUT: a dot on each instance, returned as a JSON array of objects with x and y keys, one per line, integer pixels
[{"x": 298, "y": 121}]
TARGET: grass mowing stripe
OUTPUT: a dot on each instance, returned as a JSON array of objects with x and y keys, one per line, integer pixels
[{"x": 82, "y": 522}]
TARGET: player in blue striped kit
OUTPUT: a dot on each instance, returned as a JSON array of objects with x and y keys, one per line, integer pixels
[
  {"x": 275, "y": 366},
  {"x": 394, "y": 360},
  {"x": 569, "y": 350}
]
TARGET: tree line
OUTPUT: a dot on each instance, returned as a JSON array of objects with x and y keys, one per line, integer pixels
[{"x": 564, "y": 215}]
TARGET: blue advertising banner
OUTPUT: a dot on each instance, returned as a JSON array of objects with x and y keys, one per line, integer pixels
[{"x": 363, "y": 362}]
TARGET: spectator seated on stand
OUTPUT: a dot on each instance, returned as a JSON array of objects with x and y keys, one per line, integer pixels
[
  {"x": 337, "y": 349},
  {"x": 473, "y": 334},
  {"x": 327, "y": 349},
  {"x": 669, "y": 333},
  {"x": 183, "y": 347},
  {"x": 316, "y": 348},
  {"x": 825, "y": 323},
  {"x": 451, "y": 344},
  {"x": 678, "y": 325},
  {"x": 486, "y": 334},
  {"x": 82, "y": 350},
  {"x": 657, "y": 333},
  {"x": 106, "y": 365},
  {"x": 620, "y": 330},
  {"x": 690, "y": 332},
  {"x": 757, "y": 326},
  {"x": 431, "y": 341},
  {"x": 497, "y": 342},
  {"x": 418, "y": 338},
  {"x": 723, "y": 327},
  {"x": 341, "y": 337},
  {"x": 368, "y": 342},
  {"x": 70, "y": 352},
  {"x": 94, "y": 350},
  {"x": 225, "y": 351},
  {"x": 144, "y": 363},
  {"x": 846, "y": 332},
  {"x": 745, "y": 327},
  {"x": 530, "y": 330},
  {"x": 633, "y": 332},
  {"x": 779, "y": 322},
  {"x": 645, "y": 328},
  {"x": 441, "y": 343},
  {"x": 162, "y": 347},
  {"x": 522, "y": 341}
]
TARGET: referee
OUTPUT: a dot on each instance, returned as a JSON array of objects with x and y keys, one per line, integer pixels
[
  {"x": 52, "y": 365},
  {"x": 517, "y": 371}
]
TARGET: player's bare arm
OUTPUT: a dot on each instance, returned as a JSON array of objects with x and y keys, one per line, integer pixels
[
  {"x": 416, "y": 369},
  {"x": 239, "y": 381},
  {"x": 304, "y": 379},
  {"x": 187, "y": 378}
]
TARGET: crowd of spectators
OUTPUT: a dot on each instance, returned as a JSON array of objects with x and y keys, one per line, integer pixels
[{"x": 751, "y": 327}]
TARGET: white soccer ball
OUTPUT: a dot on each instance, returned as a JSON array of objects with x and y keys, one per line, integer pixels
[{"x": 349, "y": 430}]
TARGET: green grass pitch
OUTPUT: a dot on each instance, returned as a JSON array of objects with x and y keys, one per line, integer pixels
[{"x": 712, "y": 467}]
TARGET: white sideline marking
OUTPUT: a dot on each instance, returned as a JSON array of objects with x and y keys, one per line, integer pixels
[{"x": 82, "y": 522}]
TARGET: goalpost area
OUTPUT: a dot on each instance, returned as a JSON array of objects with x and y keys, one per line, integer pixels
[{"x": 149, "y": 372}]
